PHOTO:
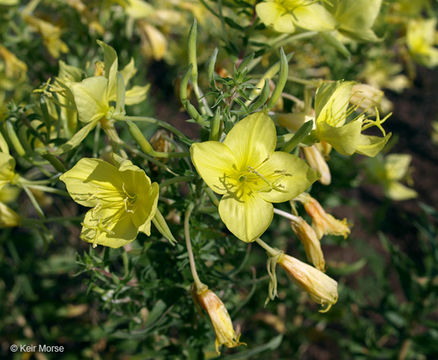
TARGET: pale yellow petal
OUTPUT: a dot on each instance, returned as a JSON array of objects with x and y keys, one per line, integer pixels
[
  {"x": 252, "y": 140},
  {"x": 88, "y": 178},
  {"x": 313, "y": 17},
  {"x": 269, "y": 12},
  {"x": 288, "y": 175},
  {"x": 285, "y": 24},
  {"x": 213, "y": 161},
  {"x": 247, "y": 220}
]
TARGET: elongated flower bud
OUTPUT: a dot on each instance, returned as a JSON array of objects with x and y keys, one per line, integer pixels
[
  {"x": 318, "y": 163},
  {"x": 311, "y": 243},
  {"x": 322, "y": 222},
  {"x": 321, "y": 288},
  {"x": 223, "y": 327}
]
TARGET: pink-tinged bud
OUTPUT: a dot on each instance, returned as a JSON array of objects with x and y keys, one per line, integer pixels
[
  {"x": 223, "y": 327},
  {"x": 322, "y": 222},
  {"x": 321, "y": 288},
  {"x": 311, "y": 243},
  {"x": 317, "y": 162}
]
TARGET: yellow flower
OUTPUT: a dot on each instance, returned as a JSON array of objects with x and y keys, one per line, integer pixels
[
  {"x": 420, "y": 37},
  {"x": 8, "y": 217},
  {"x": 123, "y": 200},
  {"x": 15, "y": 68},
  {"x": 7, "y": 167},
  {"x": 285, "y": 15},
  {"x": 310, "y": 241},
  {"x": 355, "y": 18},
  {"x": 389, "y": 171},
  {"x": 223, "y": 327},
  {"x": 322, "y": 222},
  {"x": 50, "y": 33},
  {"x": 332, "y": 126},
  {"x": 250, "y": 175},
  {"x": 321, "y": 288}
]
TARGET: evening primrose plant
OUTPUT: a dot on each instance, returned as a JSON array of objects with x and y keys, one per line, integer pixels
[{"x": 165, "y": 204}]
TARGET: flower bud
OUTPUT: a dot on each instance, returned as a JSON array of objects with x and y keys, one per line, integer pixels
[
  {"x": 321, "y": 288},
  {"x": 318, "y": 163},
  {"x": 219, "y": 317},
  {"x": 311, "y": 243},
  {"x": 322, "y": 222}
]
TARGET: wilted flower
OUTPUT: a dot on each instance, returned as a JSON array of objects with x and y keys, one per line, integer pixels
[
  {"x": 250, "y": 174},
  {"x": 14, "y": 67},
  {"x": 322, "y": 222},
  {"x": 310, "y": 241},
  {"x": 285, "y": 15},
  {"x": 123, "y": 200},
  {"x": 220, "y": 319},
  {"x": 321, "y": 288}
]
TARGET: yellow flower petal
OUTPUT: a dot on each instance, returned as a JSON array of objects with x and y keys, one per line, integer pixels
[
  {"x": 289, "y": 174},
  {"x": 91, "y": 98},
  {"x": 248, "y": 219},
  {"x": 213, "y": 160},
  {"x": 371, "y": 145},
  {"x": 252, "y": 140},
  {"x": 90, "y": 177},
  {"x": 285, "y": 24},
  {"x": 398, "y": 191},
  {"x": 99, "y": 227},
  {"x": 7, "y": 166},
  {"x": 269, "y": 12},
  {"x": 344, "y": 139},
  {"x": 313, "y": 17}
]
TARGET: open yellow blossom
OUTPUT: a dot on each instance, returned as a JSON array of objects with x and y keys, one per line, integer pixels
[
  {"x": 285, "y": 15},
  {"x": 123, "y": 200},
  {"x": 421, "y": 38},
  {"x": 322, "y": 222},
  {"x": 220, "y": 319},
  {"x": 250, "y": 175},
  {"x": 334, "y": 126},
  {"x": 321, "y": 288},
  {"x": 390, "y": 171}
]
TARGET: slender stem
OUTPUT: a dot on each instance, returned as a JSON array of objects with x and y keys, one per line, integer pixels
[
  {"x": 198, "y": 283},
  {"x": 271, "y": 251},
  {"x": 282, "y": 40},
  {"x": 48, "y": 189},
  {"x": 59, "y": 219},
  {"x": 212, "y": 196},
  {"x": 157, "y": 122},
  {"x": 298, "y": 80},
  {"x": 299, "y": 102},
  {"x": 177, "y": 179},
  {"x": 286, "y": 215},
  {"x": 34, "y": 202}
]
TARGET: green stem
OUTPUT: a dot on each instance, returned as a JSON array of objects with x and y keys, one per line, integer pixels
[
  {"x": 34, "y": 202},
  {"x": 271, "y": 251},
  {"x": 198, "y": 284},
  {"x": 312, "y": 83},
  {"x": 286, "y": 215},
  {"x": 177, "y": 179},
  {"x": 157, "y": 122},
  {"x": 212, "y": 196}
]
